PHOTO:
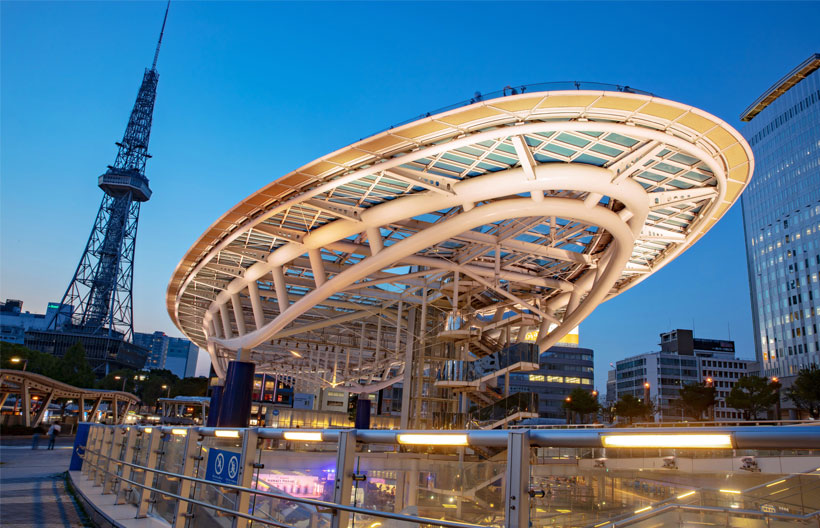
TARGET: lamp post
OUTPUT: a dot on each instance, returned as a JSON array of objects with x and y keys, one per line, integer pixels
[
  {"x": 710, "y": 383},
  {"x": 167, "y": 388},
  {"x": 123, "y": 381},
  {"x": 646, "y": 398},
  {"x": 16, "y": 360},
  {"x": 569, "y": 413},
  {"x": 776, "y": 383}
]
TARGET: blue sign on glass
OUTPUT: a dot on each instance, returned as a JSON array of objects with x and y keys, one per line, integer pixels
[
  {"x": 223, "y": 466},
  {"x": 276, "y": 412}
]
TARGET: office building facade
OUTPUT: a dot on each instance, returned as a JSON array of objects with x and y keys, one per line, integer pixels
[
  {"x": 781, "y": 218},
  {"x": 682, "y": 360},
  {"x": 14, "y": 322}
]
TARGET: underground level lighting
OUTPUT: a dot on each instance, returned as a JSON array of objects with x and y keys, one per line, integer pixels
[
  {"x": 687, "y": 494},
  {"x": 433, "y": 439},
  {"x": 669, "y": 440},
  {"x": 734, "y": 492},
  {"x": 307, "y": 437},
  {"x": 221, "y": 433}
]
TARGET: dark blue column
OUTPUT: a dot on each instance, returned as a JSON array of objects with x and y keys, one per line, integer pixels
[
  {"x": 235, "y": 407},
  {"x": 213, "y": 408},
  {"x": 362, "y": 412}
]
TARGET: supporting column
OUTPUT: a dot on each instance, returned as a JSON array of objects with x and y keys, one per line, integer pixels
[
  {"x": 374, "y": 239},
  {"x": 343, "y": 485},
  {"x": 226, "y": 321},
  {"x": 110, "y": 477},
  {"x": 235, "y": 404},
  {"x": 115, "y": 408},
  {"x": 281, "y": 288},
  {"x": 43, "y": 409},
  {"x": 317, "y": 266},
  {"x": 517, "y": 480},
  {"x": 256, "y": 305},
  {"x": 26, "y": 396},
  {"x": 128, "y": 456},
  {"x": 238, "y": 314}
]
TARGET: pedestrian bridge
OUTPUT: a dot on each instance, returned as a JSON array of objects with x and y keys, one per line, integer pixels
[{"x": 755, "y": 476}]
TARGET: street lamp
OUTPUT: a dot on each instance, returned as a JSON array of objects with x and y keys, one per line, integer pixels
[
  {"x": 168, "y": 388},
  {"x": 710, "y": 383},
  {"x": 123, "y": 381},
  {"x": 16, "y": 360},
  {"x": 776, "y": 383},
  {"x": 569, "y": 413}
]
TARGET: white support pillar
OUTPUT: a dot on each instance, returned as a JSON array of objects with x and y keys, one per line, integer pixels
[
  {"x": 374, "y": 239},
  {"x": 238, "y": 313},
  {"x": 226, "y": 321},
  {"x": 94, "y": 408},
  {"x": 317, "y": 266},
  {"x": 115, "y": 408},
  {"x": 81, "y": 414},
  {"x": 281, "y": 288},
  {"x": 256, "y": 305},
  {"x": 407, "y": 383}
]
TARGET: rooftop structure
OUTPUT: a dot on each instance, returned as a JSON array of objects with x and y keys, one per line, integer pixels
[{"x": 452, "y": 236}]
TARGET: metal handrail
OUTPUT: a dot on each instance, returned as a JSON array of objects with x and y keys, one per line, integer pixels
[{"x": 313, "y": 502}]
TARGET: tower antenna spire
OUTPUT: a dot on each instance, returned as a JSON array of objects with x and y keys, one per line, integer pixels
[{"x": 161, "y": 31}]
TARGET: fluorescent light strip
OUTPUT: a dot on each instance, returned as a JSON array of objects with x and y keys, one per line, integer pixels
[
  {"x": 307, "y": 437},
  {"x": 775, "y": 483},
  {"x": 734, "y": 492},
  {"x": 433, "y": 439},
  {"x": 668, "y": 440},
  {"x": 179, "y": 432},
  {"x": 643, "y": 509},
  {"x": 222, "y": 433},
  {"x": 687, "y": 494},
  {"x": 148, "y": 430}
]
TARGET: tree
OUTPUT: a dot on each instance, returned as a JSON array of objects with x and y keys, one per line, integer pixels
[
  {"x": 581, "y": 402},
  {"x": 34, "y": 361},
  {"x": 696, "y": 398},
  {"x": 752, "y": 395},
  {"x": 805, "y": 391},
  {"x": 74, "y": 368},
  {"x": 630, "y": 407},
  {"x": 110, "y": 381},
  {"x": 190, "y": 387}
]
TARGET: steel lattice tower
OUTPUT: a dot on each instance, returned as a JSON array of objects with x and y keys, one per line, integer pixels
[{"x": 101, "y": 290}]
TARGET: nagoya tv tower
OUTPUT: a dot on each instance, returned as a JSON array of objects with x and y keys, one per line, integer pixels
[{"x": 100, "y": 293}]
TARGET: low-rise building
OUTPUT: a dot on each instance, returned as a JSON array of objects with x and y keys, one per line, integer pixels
[{"x": 682, "y": 360}]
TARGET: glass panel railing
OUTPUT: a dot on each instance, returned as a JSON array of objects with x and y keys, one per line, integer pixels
[
  {"x": 433, "y": 482},
  {"x": 469, "y": 371},
  {"x": 141, "y": 451},
  {"x": 216, "y": 454},
  {"x": 298, "y": 469},
  {"x": 172, "y": 457},
  {"x": 511, "y": 407}
]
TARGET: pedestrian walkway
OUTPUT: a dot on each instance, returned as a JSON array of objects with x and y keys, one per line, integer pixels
[{"x": 33, "y": 489}]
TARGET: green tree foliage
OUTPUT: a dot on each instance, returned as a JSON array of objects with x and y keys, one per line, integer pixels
[
  {"x": 753, "y": 395},
  {"x": 805, "y": 391},
  {"x": 581, "y": 402},
  {"x": 74, "y": 368},
  {"x": 110, "y": 381},
  {"x": 37, "y": 362},
  {"x": 696, "y": 399},
  {"x": 630, "y": 407},
  {"x": 151, "y": 388},
  {"x": 190, "y": 387}
]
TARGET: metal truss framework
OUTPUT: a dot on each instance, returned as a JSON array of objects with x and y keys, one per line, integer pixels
[{"x": 513, "y": 215}]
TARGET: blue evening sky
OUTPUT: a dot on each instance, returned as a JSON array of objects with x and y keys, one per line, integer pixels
[{"x": 250, "y": 91}]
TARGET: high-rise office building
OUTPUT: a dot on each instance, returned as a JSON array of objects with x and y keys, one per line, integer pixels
[
  {"x": 157, "y": 344},
  {"x": 781, "y": 218},
  {"x": 176, "y": 354}
]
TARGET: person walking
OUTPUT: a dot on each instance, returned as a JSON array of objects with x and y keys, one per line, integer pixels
[{"x": 53, "y": 431}]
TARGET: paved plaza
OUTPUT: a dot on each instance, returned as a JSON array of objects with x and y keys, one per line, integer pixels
[{"x": 32, "y": 485}]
